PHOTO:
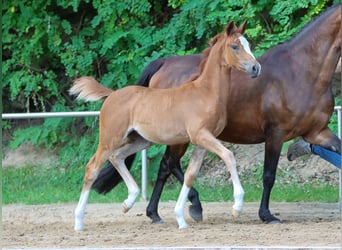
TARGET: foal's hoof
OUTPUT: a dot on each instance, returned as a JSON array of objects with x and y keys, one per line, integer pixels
[
  {"x": 78, "y": 228},
  {"x": 183, "y": 226},
  {"x": 236, "y": 213},
  {"x": 196, "y": 213},
  {"x": 125, "y": 208}
]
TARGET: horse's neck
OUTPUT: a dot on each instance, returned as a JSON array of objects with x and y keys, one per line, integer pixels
[
  {"x": 322, "y": 48},
  {"x": 215, "y": 77}
]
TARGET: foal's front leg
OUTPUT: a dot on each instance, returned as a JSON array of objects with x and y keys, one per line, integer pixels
[{"x": 210, "y": 143}]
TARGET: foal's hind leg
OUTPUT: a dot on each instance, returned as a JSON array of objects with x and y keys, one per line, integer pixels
[
  {"x": 135, "y": 144},
  {"x": 91, "y": 172}
]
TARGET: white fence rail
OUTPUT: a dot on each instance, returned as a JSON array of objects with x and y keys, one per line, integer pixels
[{"x": 144, "y": 153}]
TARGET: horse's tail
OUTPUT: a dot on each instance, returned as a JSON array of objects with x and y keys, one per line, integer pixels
[
  {"x": 108, "y": 177},
  {"x": 88, "y": 89},
  {"x": 149, "y": 71}
]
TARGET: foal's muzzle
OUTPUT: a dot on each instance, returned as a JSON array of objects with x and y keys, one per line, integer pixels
[{"x": 254, "y": 70}]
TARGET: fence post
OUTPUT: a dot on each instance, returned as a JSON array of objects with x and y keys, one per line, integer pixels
[
  {"x": 340, "y": 171},
  {"x": 144, "y": 175}
]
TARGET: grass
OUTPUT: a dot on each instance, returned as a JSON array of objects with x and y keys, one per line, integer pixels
[{"x": 39, "y": 185}]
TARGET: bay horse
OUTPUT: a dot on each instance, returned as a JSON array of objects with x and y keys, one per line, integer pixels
[
  {"x": 292, "y": 97},
  {"x": 134, "y": 117}
]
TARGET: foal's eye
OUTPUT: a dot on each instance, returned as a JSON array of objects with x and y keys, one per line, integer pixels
[{"x": 234, "y": 47}]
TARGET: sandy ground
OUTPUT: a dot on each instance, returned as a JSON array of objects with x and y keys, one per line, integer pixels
[{"x": 51, "y": 226}]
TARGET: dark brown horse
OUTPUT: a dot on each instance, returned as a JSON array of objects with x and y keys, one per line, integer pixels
[{"x": 291, "y": 98}]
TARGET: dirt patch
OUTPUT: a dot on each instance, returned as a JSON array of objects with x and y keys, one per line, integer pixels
[
  {"x": 28, "y": 155},
  {"x": 51, "y": 226}
]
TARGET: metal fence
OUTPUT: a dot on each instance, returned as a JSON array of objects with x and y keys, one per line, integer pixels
[{"x": 143, "y": 153}]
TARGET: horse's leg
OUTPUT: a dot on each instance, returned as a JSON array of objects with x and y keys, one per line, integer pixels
[
  {"x": 272, "y": 154},
  {"x": 273, "y": 146},
  {"x": 163, "y": 175},
  {"x": 196, "y": 160},
  {"x": 208, "y": 141},
  {"x": 134, "y": 144},
  {"x": 133, "y": 188},
  {"x": 171, "y": 164},
  {"x": 195, "y": 209},
  {"x": 325, "y": 139},
  {"x": 108, "y": 177},
  {"x": 91, "y": 172}
]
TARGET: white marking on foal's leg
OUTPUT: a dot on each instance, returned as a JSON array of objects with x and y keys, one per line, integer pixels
[
  {"x": 238, "y": 200},
  {"x": 80, "y": 209},
  {"x": 180, "y": 206},
  {"x": 132, "y": 196},
  {"x": 238, "y": 190}
]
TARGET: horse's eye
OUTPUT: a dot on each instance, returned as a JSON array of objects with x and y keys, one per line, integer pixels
[{"x": 234, "y": 47}]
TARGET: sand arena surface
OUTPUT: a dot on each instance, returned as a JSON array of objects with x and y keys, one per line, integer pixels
[{"x": 51, "y": 226}]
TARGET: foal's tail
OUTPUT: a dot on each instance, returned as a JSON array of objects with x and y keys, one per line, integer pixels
[
  {"x": 108, "y": 177},
  {"x": 88, "y": 89}
]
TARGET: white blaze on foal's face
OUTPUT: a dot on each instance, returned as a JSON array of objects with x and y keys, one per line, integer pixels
[{"x": 245, "y": 45}]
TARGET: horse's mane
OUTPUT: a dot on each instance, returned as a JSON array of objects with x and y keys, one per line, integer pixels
[
  {"x": 205, "y": 55},
  {"x": 313, "y": 20}
]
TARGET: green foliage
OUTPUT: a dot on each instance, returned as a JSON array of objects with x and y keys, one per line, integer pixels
[{"x": 47, "y": 44}]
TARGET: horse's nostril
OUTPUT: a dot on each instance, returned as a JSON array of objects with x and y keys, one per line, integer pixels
[{"x": 255, "y": 68}]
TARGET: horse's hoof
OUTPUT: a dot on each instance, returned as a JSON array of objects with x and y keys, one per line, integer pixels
[
  {"x": 78, "y": 228},
  {"x": 236, "y": 213},
  {"x": 157, "y": 222},
  {"x": 183, "y": 226},
  {"x": 268, "y": 218},
  {"x": 273, "y": 222},
  {"x": 125, "y": 208},
  {"x": 196, "y": 213},
  {"x": 155, "y": 218}
]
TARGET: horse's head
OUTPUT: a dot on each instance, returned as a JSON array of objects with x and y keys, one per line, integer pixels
[{"x": 236, "y": 51}]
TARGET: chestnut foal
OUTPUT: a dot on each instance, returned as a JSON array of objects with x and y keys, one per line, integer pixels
[{"x": 134, "y": 117}]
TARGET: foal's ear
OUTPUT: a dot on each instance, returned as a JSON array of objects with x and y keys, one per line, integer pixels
[
  {"x": 230, "y": 28},
  {"x": 242, "y": 27}
]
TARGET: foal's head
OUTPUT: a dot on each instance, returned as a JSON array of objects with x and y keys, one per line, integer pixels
[{"x": 236, "y": 51}]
